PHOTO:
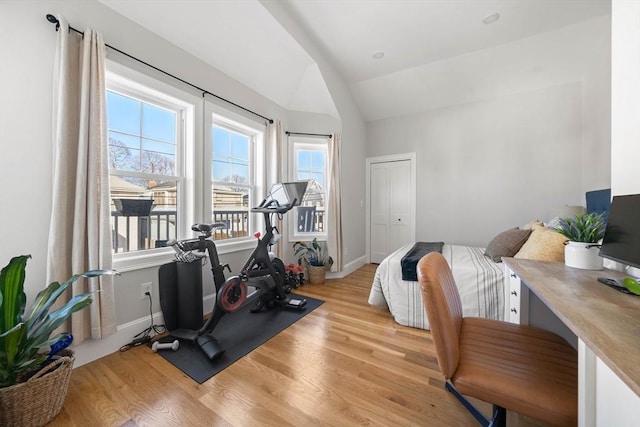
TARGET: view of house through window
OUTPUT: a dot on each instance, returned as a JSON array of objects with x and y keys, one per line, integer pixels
[
  {"x": 310, "y": 164},
  {"x": 231, "y": 180},
  {"x": 144, "y": 143}
]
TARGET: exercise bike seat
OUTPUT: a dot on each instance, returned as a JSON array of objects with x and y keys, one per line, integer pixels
[{"x": 207, "y": 228}]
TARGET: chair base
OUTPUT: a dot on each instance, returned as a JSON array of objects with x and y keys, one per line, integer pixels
[{"x": 499, "y": 418}]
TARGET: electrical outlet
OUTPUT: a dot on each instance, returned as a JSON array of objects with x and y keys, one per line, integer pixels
[{"x": 144, "y": 288}]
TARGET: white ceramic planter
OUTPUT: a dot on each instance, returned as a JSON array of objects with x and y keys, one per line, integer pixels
[{"x": 582, "y": 255}]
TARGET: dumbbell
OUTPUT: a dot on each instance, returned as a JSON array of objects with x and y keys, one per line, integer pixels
[{"x": 165, "y": 346}]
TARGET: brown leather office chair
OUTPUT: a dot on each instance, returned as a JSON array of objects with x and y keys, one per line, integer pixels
[{"x": 514, "y": 367}]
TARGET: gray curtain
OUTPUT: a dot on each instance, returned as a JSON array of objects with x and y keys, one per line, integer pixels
[{"x": 80, "y": 232}]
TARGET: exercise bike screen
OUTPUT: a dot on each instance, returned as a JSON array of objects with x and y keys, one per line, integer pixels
[{"x": 285, "y": 193}]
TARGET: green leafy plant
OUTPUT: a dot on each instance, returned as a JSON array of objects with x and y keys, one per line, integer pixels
[
  {"x": 314, "y": 252},
  {"x": 585, "y": 228},
  {"x": 24, "y": 335}
]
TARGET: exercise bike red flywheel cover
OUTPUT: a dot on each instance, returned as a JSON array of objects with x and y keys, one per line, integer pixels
[{"x": 232, "y": 294}]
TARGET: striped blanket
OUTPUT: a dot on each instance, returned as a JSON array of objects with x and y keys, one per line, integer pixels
[{"x": 479, "y": 280}]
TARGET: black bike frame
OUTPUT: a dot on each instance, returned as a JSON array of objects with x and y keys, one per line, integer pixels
[{"x": 259, "y": 264}]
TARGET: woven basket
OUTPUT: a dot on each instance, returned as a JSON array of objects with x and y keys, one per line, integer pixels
[
  {"x": 38, "y": 400},
  {"x": 316, "y": 274}
]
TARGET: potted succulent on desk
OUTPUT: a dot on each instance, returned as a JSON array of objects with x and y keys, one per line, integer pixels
[
  {"x": 316, "y": 257},
  {"x": 33, "y": 382},
  {"x": 584, "y": 232}
]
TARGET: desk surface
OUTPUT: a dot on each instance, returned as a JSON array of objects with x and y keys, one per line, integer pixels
[{"x": 608, "y": 321}]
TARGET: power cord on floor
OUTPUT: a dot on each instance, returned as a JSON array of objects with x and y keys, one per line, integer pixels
[{"x": 144, "y": 337}]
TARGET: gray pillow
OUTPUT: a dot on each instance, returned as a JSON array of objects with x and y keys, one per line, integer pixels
[{"x": 507, "y": 244}]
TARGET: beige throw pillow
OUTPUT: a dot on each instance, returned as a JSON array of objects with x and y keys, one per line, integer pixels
[
  {"x": 543, "y": 244},
  {"x": 532, "y": 224},
  {"x": 506, "y": 244}
]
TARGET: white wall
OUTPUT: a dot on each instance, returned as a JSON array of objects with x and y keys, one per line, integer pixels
[
  {"x": 498, "y": 163},
  {"x": 27, "y": 49},
  {"x": 596, "y": 115},
  {"x": 625, "y": 97},
  {"x": 485, "y": 167}
]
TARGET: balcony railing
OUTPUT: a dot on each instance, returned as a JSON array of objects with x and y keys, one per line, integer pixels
[
  {"x": 237, "y": 223},
  {"x": 134, "y": 233}
]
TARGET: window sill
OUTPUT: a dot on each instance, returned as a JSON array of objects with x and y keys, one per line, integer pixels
[
  {"x": 308, "y": 237},
  {"x": 124, "y": 262}
]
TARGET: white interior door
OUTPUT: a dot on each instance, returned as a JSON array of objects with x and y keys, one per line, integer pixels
[
  {"x": 379, "y": 179},
  {"x": 399, "y": 205},
  {"x": 392, "y": 204}
]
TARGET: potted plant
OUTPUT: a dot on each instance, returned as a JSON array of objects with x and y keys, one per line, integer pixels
[
  {"x": 316, "y": 257},
  {"x": 584, "y": 232},
  {"x": 35, "y": 368}
]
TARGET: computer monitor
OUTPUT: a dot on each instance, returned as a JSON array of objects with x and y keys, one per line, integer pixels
[
  {"x": 285, "y": 193},
  {"x": 621, "y": 241}
]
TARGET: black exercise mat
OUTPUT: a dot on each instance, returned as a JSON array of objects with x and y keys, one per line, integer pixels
[{"x": 239, "y": 333}]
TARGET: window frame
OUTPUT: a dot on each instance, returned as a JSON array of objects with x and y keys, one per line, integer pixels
[
  {"x": 216, "y": 114},
  {"x": 129, "y": 82},
  {"x": 313, "y": 143}
]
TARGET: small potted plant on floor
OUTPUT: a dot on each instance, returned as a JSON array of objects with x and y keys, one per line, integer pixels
[
  {"x": 584, "y": 232},
  {"x": 316, "y": 257},
  {"x": 35, "y": 367}
]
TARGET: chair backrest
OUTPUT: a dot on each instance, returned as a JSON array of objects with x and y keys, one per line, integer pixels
[{"x": 444, "y": 309}]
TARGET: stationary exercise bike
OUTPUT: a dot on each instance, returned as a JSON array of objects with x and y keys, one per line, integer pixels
[{"x": 263, "y": 272}]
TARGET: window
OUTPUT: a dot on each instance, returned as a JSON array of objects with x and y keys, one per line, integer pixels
[
  {"x": 147, "y": 138},
  {"x": 236, "y": 176},
  {"x": 175, "y": 160},
  {"x": 309, "y": 163}
]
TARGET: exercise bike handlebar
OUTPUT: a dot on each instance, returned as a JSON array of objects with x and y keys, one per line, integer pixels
[{"x": 272, "y": 206}]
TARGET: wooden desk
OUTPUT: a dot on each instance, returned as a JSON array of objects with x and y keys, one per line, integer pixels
[{"x": 605, "y": 321}]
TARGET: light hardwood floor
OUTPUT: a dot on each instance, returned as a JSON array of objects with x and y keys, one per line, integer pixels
[{"x": 344, "y": 364}]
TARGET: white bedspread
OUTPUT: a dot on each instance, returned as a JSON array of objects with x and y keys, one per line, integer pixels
[{"x": 479, "y": 280}]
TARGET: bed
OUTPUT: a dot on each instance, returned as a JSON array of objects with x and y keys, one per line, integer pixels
[
  {"x": 479, "y": 279},
  {"x": 478, "y": 272}
]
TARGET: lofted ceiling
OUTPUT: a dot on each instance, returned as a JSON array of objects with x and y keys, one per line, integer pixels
[{"x": 436, "y": 52}]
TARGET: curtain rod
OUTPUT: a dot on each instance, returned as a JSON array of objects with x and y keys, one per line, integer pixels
[
  {"x": 308, "y": 134},
  {"x": 55, "y": 20}
]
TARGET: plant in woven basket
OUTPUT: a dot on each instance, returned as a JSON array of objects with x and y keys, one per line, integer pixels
[
  {"x": 314, "y": 252},
  {"x": 584, "y": 228},
  {"x": 26, "y": 334}
]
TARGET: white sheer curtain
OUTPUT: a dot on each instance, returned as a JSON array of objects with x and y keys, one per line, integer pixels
[
  {"x": 334, "y": 214},
  {"x": 275, "y": 162},
  {"x": 80, "y": 233}
]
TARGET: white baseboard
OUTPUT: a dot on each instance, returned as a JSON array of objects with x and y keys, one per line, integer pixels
[
  {"x": 89, "y": 351},
  {"x": 348, "y": 268}
]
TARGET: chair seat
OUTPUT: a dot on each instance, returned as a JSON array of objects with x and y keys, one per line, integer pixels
[{"x": 526, "y": 370}]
